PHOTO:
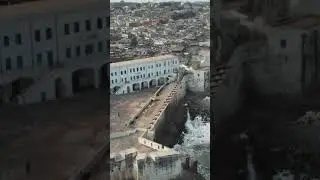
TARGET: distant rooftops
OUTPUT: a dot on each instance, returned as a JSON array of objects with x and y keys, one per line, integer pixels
[
  {"x": 144, "y": 60},
  {"x": 46, "y": 6}
]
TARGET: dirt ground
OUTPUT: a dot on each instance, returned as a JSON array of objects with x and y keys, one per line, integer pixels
[{"x": 56, "y": 138}]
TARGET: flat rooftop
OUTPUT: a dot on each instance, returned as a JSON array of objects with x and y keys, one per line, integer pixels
[
  {"x": 143, "y": 60},
  {"x": 124, "y": 107},
  {"x": 57, "y": 137}
]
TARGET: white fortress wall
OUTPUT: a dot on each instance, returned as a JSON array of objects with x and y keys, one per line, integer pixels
[{"x": 162, "y": 164}]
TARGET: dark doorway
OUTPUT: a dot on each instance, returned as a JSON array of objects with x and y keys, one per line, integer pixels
[
  {"x": 43, "y": 97},
  {"x": 115, "y": 89},
  {"x": 1, "y": 95},
  {"x": 20, "y": 85},
  {"x": 82, "y": 80},
  {"x": 161, "y": 81},
  {"x": 59, "y": 88},
  {"x": 86, "y": 176},
  {"x": 153, "y": 83},
  {"x": 136, "y": 87},
  {"x": 144, "y": 85},
  {"x": 104, "y": 76}
]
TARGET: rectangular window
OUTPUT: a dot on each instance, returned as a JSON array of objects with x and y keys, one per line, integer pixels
[
  {"x": 107, "y": 22},
  {"x": 39, "y": 59},
  {"x": 6, "y": 41},
  {"x": 76, "y": 27},
  {"x": 18, "y": 39},
  {"x": 88, "y": 25},
  {"x": 37, "y": 35},
  {"x": 50, "y": 58},
  {"x": 68, "y": 53},
  {"x": 89, "y": 49},
  {"x": 8, "y": 64},
  {"x": 283, "y": 43},
  {"x": 78, "y": 51},
  {"x": 43, "y": 96},
  {"x": 48, "y": 33},
  {"x": 19, "y": 62},
  {"x": 66, "y": 29},
  {"x": 99, "y": 23},
  {"x": 100, "y": 46}
]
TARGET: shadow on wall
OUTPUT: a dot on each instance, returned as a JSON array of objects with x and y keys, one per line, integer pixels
[
  {"x": 170, "y": 128},
  {"x": 229, "y": 96}
]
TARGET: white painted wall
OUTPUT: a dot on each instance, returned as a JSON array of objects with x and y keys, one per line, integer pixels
[
  {"x": 280, "y": 72},
  {"x": 30, "y": 50},
  {"x": 147, "y": 169},
  {"x": 121, "y": 164},
  {"x": 199, "y": 80},
  {"x": 124, "y": 76},
  {"x": 147, "y": 166},
  {"x": 141, "y": 166}
]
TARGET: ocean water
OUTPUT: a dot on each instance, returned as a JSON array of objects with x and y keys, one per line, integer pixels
[{"x": 196, "y": 142}]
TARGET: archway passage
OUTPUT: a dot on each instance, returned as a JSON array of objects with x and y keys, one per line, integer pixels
[
  {"x": 82, "y": 80},
  {"x": 153, "y": 83},
  {"x": 136, "y": 87},
  {"x": 144, "y": 85},
  {"x": 161, "y": 81},
  {"x": 115, "y": 89},
  {"x": 20, "y": 85},
  {"x": 60, "y": 88},
  {"x": 104, "y": 76}
]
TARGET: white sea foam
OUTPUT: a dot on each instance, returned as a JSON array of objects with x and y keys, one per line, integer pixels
[{"x": 196, "y": 143}]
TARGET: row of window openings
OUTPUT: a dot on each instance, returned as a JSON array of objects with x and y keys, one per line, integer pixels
[
  {"x": 88, "y": 26},
  {"x": 89, "y": 49},
  {"x": 18, "y": 38},
  {"x": 48, "y": 34},
  {"x": 137, "y": 77},
  {"x": 134, "y": 70},
  {"x": 19, "y": 60}
]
